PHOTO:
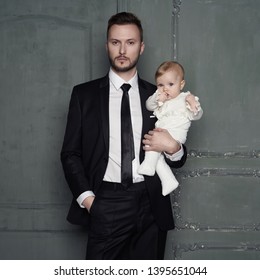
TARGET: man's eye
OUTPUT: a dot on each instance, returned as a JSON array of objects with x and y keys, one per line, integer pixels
[
  {"x": 131, "y": 42},
  {"x": 114, "y": 43}
]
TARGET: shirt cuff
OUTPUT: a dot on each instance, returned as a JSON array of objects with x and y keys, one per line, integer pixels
[
  {"x": 177, "y": 156},
  {"x": 83, "y": 196}
]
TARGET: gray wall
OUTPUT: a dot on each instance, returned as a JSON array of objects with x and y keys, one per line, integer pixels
[
  {"x": 48, "y": 46},
  {"x": 217, "y": 206}
]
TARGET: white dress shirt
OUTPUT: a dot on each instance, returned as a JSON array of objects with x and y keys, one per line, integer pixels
[{"x": 113, "y": 171}]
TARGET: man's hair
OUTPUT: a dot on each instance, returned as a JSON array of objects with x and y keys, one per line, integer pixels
[
  {"x": 123, "y": 19},
  {"x": 167, "y": 66}
]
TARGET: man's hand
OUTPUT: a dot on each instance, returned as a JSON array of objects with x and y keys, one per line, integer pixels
[
  {"x": 160, "y": 140},
  {"x": 87, "y": 202}
]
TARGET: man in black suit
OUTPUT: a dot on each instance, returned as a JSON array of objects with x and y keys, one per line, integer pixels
[{"x": 126, "y": 214}]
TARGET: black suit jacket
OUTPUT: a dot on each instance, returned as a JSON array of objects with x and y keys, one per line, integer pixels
[{"x": 85, "y": 148}]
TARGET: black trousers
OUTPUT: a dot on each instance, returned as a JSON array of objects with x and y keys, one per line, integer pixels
[{"x": 122, "y": 225}]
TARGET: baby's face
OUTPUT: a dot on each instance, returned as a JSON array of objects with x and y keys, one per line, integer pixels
[{"x": 170, "y": 83}]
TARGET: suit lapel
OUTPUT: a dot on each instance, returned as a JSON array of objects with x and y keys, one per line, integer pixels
[
  {"x": 104, "y": 106},
  {"x": 144, "y": 94}
]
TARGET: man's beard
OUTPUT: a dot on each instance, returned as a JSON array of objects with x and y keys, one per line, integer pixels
[{"x": 123, "y": 68}]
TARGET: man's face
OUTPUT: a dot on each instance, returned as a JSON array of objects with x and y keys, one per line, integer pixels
[{"x": 124, "y": 47}]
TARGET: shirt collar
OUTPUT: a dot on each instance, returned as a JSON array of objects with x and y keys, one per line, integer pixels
[{"x": 117, "y": 81}]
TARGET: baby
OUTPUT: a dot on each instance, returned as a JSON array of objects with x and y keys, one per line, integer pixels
[{"x": 174, "y": 110}]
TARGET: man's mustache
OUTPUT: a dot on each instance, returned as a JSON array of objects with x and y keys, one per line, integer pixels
[{"x": 121, "y": 56}]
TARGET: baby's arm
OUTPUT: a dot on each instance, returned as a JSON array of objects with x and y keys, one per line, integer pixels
[
  {"x": 194, "y": 107},
  {"x": 162, "y": 97},
  {"x": 192, "y": 102},
  {"x": 153, "y": 102}
]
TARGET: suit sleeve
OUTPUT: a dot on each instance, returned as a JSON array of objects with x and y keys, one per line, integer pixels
[{"x": 71, "y": 153}]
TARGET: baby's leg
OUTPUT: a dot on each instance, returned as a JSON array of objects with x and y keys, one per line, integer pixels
[
  {"x": 168, "y": 180},
  {"x": 149, "y": 164}
]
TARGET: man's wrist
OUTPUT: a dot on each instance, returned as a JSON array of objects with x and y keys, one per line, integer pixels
[
  {"x": 87, "y": 203},
  {"x": 83, "y": 196},
  {"x": 176, "y": 148},
  {"x": 177, "y": 155}
]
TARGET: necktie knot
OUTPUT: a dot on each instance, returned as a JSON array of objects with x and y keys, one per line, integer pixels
[{"x": 125, "y": 87}]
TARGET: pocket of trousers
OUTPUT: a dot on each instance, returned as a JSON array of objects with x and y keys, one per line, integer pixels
[{"x": 93, "y": 206}]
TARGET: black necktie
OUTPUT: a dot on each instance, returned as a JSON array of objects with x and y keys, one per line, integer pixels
[{"x": 127, "y": 140}]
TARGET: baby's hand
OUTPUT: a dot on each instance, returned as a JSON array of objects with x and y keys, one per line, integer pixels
[
  {"x": 162, "y": 96},
  {"x": 192, "y": 102}
]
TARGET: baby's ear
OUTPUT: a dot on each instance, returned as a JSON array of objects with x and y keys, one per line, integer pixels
[{"x": 182, "y": 84}]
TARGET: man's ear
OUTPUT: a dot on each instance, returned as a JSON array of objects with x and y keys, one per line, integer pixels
[
  {"x": 182, "y": 84},
  {"x": 142, "y": 48}
]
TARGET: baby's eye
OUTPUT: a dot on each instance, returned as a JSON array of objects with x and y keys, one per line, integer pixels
[
  {"x": 159, "y": 85},
  {"x": 171, "y": 84}
]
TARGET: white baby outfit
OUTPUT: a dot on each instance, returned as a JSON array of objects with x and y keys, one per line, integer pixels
[{"x": 174, "y": 115}]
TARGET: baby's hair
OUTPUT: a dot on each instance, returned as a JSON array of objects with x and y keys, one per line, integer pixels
[{"x": 169, "y": 65}]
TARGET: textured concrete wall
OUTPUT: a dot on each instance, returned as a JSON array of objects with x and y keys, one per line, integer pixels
[
  {"x": 217, "y": 206},
  {"x": 48, "y": 46}
]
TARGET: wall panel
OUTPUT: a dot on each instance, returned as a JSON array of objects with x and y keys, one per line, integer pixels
[
  {"x": 46, "y": 48},
  {"x": 217, "y": 205}
]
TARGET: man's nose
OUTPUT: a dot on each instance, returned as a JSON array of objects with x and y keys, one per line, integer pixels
[{"x": 122, "y": 49}]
